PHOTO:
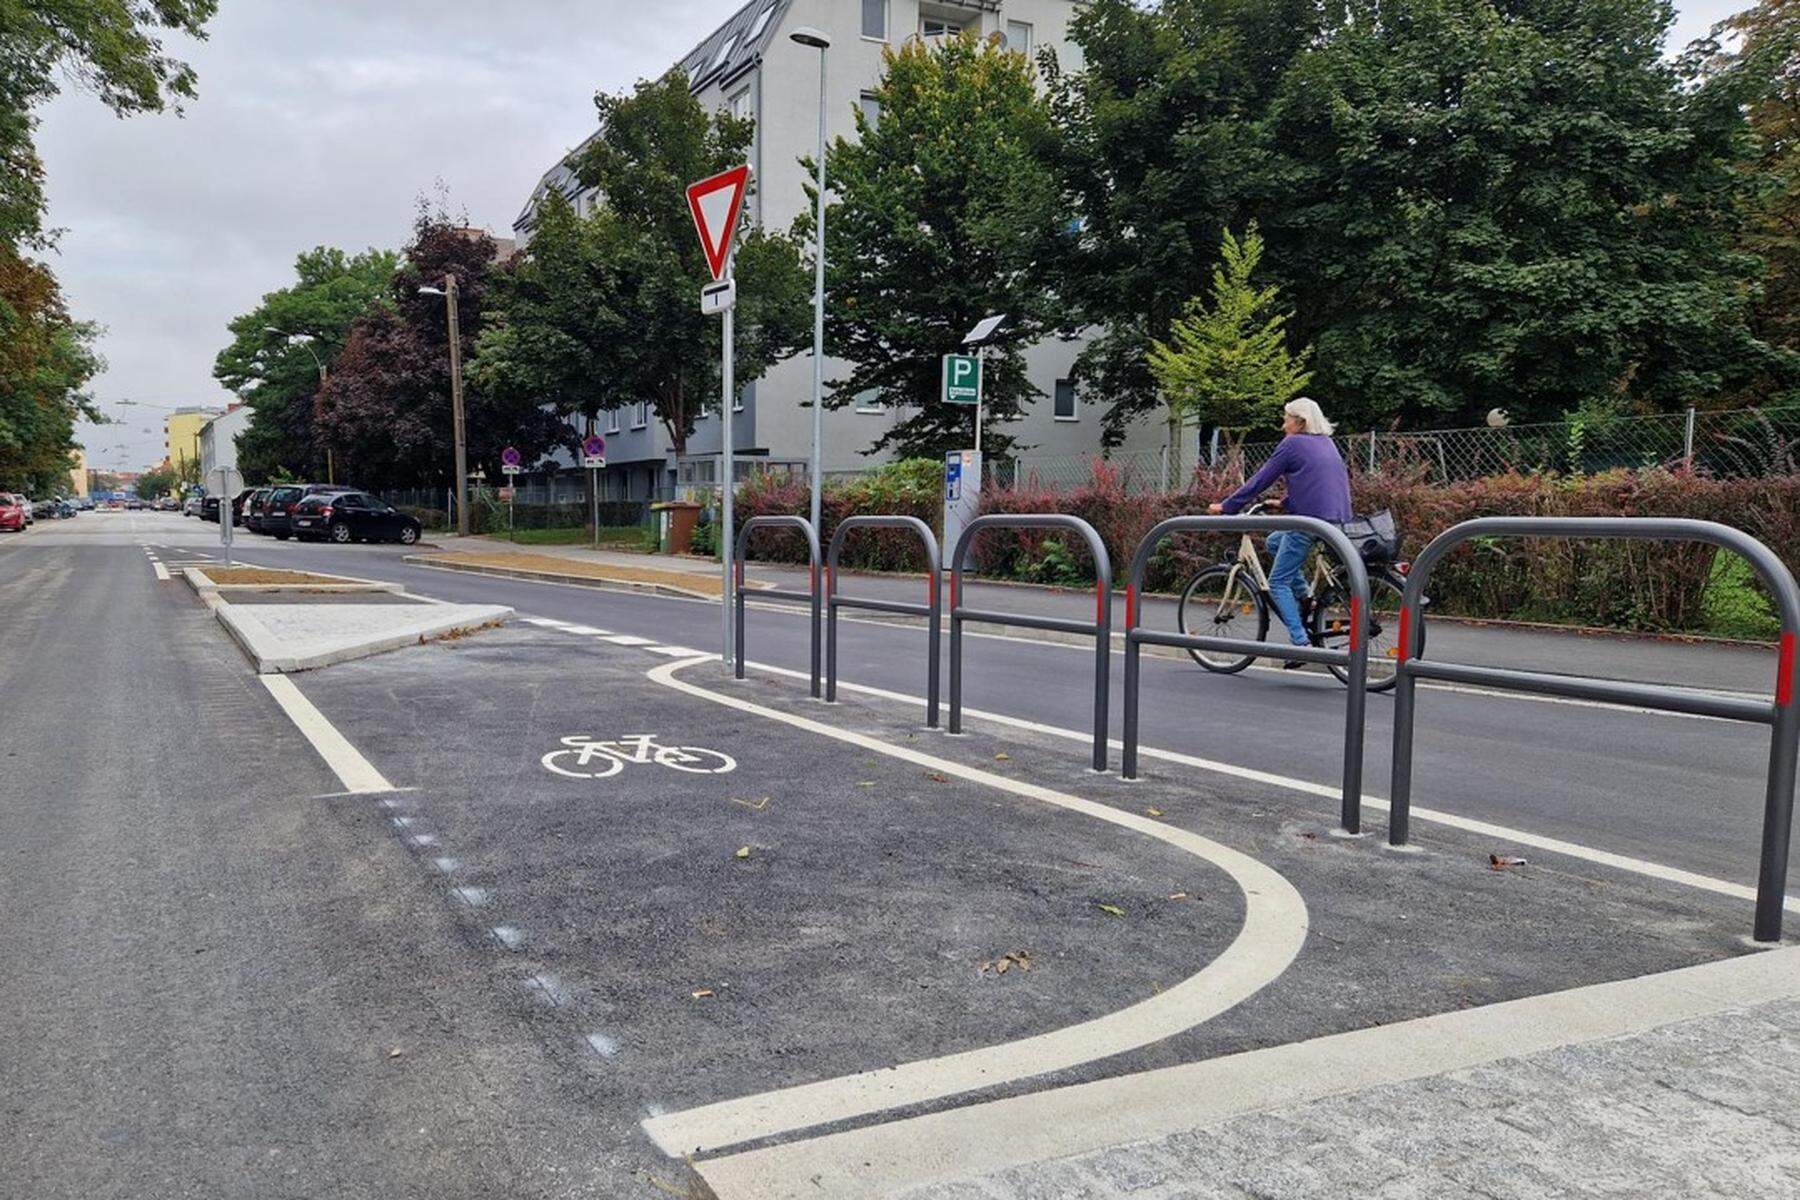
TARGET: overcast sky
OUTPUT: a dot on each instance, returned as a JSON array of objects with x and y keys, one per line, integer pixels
[{"x": 321, "y": 123}]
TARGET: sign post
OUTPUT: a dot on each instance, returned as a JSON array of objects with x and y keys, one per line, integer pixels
[
  {"x": 229, "y": 481},
  {"x": 717, "y": 204},
  {"x": 962, "y": 384},
  {"x": 510, "y": 462},
  {"x": 593, "y": 457}
]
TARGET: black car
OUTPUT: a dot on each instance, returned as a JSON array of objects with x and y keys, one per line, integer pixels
[
  {"x": 237, "y": 505},
  {"x": 352, "y": 517},
  {"x": 253, "y": 509},
  {"x": 209, "y": 508},
  {"x": 278, "y": 509}
]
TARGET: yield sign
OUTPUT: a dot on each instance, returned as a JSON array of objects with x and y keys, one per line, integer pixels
[{"x": 716, "y": 204}]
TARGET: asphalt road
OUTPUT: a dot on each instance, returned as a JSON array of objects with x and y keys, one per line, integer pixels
[{"x": 1679, "y": 791}]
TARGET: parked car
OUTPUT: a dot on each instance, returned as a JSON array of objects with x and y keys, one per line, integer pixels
[
  {"x": 44, "y": 510},
  {"x": 66, "y": 509},
  {"x": 190, "y": 507},
  {"x": 26, "y": 504},
  {"x": 209, "y": 508},
  {"x": 279, "y": 510},
  {"x": 254, "y": 507},
  {"x": 12, "y": 513},
  {"x": 352, "y": 517}
]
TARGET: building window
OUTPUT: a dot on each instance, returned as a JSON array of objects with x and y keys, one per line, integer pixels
[
  {"x": 641, "y": 417},
  {"x": 612, "y": 420},
  {"x": 938, "y": 27},
  {"x": 761, "y": 23},
  {"x": 1018, "y": 36},
  {"x": 875, "y": 19},
  {"x": 724, "y": 52},
  {"x": 740, "y": 105},
  {"x": 1065, "y": 401},
  {"x": 869, "y": 402},
  {"x": 871, "y": 109}
]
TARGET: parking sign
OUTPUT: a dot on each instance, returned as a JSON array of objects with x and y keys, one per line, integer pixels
[{"x": 962, "y": 379}]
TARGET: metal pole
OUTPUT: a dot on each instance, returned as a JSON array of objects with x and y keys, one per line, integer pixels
[
  {"x": 818, "y": 399},
  {"x": 980, "y": 387},
  {"x": 1687, "y": 440},
  {"x": 594, "y": 488},
  {"x": 726, "y": 483},
  {"x": 456, "y": 410}
]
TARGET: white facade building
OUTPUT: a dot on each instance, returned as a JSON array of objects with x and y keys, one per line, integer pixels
[
  {"x": 750, "y": 66},
  {"x": 218, "y": 443}
]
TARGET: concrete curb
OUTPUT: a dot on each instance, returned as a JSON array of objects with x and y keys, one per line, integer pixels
[
  {"x": 204, "y": 585},
  {"x": 272, "y": 655},
  {"x": 527, "y": 573}
]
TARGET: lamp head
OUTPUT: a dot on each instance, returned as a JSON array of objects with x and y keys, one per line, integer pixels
[{"x": 806, "y": 35}]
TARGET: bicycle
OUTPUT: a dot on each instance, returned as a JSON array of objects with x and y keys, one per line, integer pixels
[
  {"x": 639, "y": 748},
  {"x": 1230, "y": 599}
]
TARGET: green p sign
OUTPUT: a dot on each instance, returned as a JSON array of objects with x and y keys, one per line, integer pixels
[{"x": 962, "y": 379}]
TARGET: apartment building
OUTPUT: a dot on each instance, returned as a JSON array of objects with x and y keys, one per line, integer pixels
[
  {"x": 751, "y": 66},
  {"x": 181, "y": 434}
]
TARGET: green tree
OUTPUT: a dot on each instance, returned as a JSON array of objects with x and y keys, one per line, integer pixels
[
  {"x": 156, "y": 483},
  {"x": 273, "y": 361},
  {"x": 1227, "y": 364},
  {"x": 46, "y": 361},
  {"x": 641, "y": 251},
  {"x": 946, "y": 208},
  {"x": 110, "y": 48}
]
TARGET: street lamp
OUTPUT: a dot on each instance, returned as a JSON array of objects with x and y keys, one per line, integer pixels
[
  {"x": 818, "y": 40},
  {"x": 448, "y": 292},
  {"x": 306, "y": 340}
]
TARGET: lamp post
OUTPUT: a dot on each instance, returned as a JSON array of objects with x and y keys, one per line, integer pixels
[
  {"x": 448, "y": 292},
  {"x": 306, "y": 340},
  {"x": 818, "y": 40}
]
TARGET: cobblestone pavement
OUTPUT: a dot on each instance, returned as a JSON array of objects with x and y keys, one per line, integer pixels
[{"x": 1702, "y": 1108}]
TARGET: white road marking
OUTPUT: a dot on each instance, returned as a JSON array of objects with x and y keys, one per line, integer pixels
[
  {"x": 162, "y": 572},
  {"x": 357, "y": 773},
  {"x": 474, "y": 897},
  {"x": 626, "y": 639},
  {"x": 981, "y": 1139},
  {"x": 676, "y": 651},
  {"x": 1606, "y": 858},
  {"x": 584, "y": 630},
  {"x": 1275, "y": 925},
  {"x": 602, "y": 1045},
  {"x": 509, "y": 936},
  {"x": 546, "y": 622}
]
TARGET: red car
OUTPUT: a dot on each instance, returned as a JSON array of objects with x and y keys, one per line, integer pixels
[{"x": 12, "y": 513}]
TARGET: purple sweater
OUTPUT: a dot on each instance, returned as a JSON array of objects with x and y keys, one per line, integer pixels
[{"x": 1318, "y": 484}]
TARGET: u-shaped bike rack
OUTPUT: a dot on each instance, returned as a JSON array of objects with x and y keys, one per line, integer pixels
[
  {"x": 1100, "y": 630},
  {"x": 737, "y": 574},
  {"x": 1355, "y": 659},
  {"x": 932, "y": 610},
  {"x": 1783, "y": 715}
]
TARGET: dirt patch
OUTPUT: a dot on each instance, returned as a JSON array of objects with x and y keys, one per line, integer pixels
[
  {"x": 231, "y": 576},
  {"x": 549, "y": 564}
]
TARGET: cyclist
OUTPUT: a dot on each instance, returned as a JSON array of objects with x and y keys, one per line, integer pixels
[{"x": 1318, "y": 485}]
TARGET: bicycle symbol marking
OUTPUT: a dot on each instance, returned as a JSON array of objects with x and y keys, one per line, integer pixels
[{"x": 593, "y": 758}]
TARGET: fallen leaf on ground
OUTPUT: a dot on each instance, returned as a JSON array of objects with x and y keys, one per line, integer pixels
[
  {"x": 702, "y": 993},
  {"x": 936, "y": 778},
  {"x": 865, "y": 783},
  {"x": 1112, "y": 909},
  {"x": 743, "y": 852},
  {"x": 1006, "y": 962},
  {"x": 395, "y": 1052},
  {"x": 1002, "y": 758},
  {"x": 1499, "y": 862},
  {"x": 753, "y": 805},
  {"x": 1153, "y": 812},
  {"x": 1178, "y": 895}
]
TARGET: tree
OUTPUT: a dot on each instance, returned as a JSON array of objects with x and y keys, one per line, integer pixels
[
  {"x": 155, "y": 483},
  {"x": 1159, "y": 150},
  {"x": 1228, "y": 365},
  {"x": 46, "y": 361},
  {"x": 273, "y": 361},
  {"x": 386, "y": 409},
  {"x": 108, "y": 47},
  {"x": 945, "y": 211},
  {"x": 640, "y": 248}
]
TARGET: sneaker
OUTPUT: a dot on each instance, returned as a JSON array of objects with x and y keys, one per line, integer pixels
[{"x": 1292, "y": 664}]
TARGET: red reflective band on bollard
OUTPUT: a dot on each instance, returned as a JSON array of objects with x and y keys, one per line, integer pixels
[
  {"x": 1405, "y": 634},
  {"x": 1784, "y": 674},
  {"x": 739, "y": 572},
  {"x": 1356, "y": 624},
  {"x": 1131, "y": 606},
  {"x": 953, "y": 590},
  {"x": 1100, "y": 601}
]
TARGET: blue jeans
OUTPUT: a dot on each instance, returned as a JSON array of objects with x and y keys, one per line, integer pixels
[{"x": 1286, "y": 586}]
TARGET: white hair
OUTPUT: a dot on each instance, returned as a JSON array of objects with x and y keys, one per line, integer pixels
[{"x": 1310, "y": 414}]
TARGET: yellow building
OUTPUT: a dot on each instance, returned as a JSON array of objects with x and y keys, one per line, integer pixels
[
  {"x": 181, "y": 435},
  {"x": 78, "y": 471}
]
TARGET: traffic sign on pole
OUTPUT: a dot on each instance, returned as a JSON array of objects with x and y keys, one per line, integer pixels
[
  {"x": 962, "y": 379},
  {"x": 593, "y": 452},
  {"x": 717, "y": 204}
]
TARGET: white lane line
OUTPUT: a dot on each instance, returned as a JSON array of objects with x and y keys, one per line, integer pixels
[
  {"x": 626, "y": 639},
  {"x": 981, "y": 1139},
  {"x": 1275, "y": 925},
  {"x": 1605, "y": 858},
  {"x": 357, "y": 773},
  {"x": 676, "y": 651},
  {"x": 585, "y": 630},
  {"x": 162, "y": 572},
  {"x": 545, "y": 622}
]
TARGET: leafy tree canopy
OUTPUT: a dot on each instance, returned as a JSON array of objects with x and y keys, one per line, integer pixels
[{"x": 46, "y": 361}]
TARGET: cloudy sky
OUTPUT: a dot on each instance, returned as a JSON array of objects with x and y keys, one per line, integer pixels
[{"x": 321, "y": 123}]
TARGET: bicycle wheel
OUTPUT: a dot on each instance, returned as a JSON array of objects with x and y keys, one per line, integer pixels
[
  {"x": 581, "y": 756},
  {"x": 1222, "y": 602},
  {"x": 695, "y": 760},
  {"x": 1331, "y": 627}
]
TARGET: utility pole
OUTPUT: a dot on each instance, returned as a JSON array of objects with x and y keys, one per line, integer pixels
[
  {"x": 456, "y": 411},
  {"x": 817, "y": 40}
]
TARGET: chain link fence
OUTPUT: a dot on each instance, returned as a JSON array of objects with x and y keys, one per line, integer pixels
[{"x": 1727, "y": 444}]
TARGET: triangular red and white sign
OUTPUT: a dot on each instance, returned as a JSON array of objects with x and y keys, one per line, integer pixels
[{"x": 717, "y": 203}]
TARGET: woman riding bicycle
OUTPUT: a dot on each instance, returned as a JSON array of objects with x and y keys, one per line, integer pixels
[{"x": 1318, "y": 485}]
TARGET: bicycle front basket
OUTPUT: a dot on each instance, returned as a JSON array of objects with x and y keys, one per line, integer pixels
[{"x": 1376, "y": 536}]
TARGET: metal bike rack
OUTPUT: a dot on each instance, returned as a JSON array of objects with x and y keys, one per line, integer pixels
[
  {"x": 1356, "y": 658},
  {"x": 933, "y": 610},
  {"x": 737, "y": 574},
  {"x": 1783, "y": 715},
  {"x": 1100, "y": 630}
]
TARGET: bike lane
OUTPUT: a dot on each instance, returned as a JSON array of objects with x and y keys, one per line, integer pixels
[{"x": 838, "y": 928}]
